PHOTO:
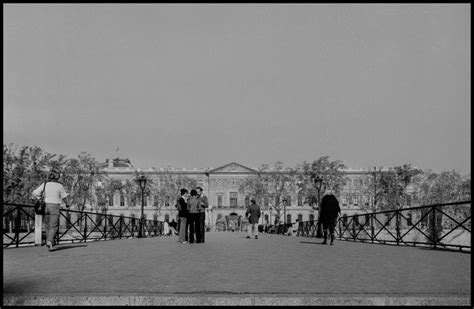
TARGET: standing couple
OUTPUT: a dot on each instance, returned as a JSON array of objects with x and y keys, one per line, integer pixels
[{"x": 192, "y": 215}]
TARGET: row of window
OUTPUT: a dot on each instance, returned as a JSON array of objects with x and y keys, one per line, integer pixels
[
  {"x": 136, "y": 201},
  {"x": 345, "y": 199}
]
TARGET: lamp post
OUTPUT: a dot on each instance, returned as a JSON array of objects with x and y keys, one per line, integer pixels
[
  {"x": 317, "y": 182},
  {"x": 284, "y": 213},
  {"x": 142, "y": 181}
]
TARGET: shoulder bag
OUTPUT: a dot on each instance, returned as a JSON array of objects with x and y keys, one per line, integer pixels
[{"x": 40, "y": 204}]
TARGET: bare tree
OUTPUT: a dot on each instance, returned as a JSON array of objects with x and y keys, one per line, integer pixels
[{"x": 271, "y": 186}]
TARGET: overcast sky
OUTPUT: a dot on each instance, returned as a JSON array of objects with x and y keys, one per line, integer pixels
[{"x": 203, "y": 85}]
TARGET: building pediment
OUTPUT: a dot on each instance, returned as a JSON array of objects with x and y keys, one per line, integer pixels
[{"x": 233, "y": 168}]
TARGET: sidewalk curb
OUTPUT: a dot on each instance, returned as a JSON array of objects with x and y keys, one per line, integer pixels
[{"x": 236, "y": 299}]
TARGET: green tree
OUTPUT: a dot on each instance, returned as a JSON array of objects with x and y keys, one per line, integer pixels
[{"x": 320, "y": 176}]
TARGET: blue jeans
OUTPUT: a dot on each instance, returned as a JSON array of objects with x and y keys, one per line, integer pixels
[
  {"x": 51, "y": 221},
  {"x": 182, "y": 229}
]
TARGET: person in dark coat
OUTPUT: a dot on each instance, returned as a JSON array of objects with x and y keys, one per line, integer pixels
[
  {"x": 329, "y": 211},
  {"x": 203, "y": 205},
  {"x": 193, "y": 218},
  {"x": 183, "y": 214},
  {"x": 253, "y": 214}
]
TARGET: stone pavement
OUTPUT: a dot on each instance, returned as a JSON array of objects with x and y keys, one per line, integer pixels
[{"x": 230, "y": 269}]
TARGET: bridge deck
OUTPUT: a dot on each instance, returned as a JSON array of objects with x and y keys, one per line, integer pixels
[{"x": 228, "y": 263}]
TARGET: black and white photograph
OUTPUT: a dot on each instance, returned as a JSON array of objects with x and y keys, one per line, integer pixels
[{"x": 236, "y": 154}]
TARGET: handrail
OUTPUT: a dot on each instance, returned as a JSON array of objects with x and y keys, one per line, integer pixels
[
  {"x": 434, "y": 224},
  {"x": 19, "y": 230}
]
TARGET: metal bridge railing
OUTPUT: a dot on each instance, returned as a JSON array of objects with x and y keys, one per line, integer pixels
[
  {"x": 446, "y": 226},
  {"x": 74, "y": 226}
]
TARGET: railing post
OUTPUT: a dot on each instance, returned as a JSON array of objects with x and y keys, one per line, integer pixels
[
  {"x": 372, "y": 234},
  {"x": 17, "y": 228},
  {"x": 340, "y": 228},
  {"x": 397, "y": 227},
  {"x": 120, "y": 227},
  {"x": 85, "y": 229},
  {"x": 105, "y": 226},
  {"x": 353, "y": 229},
  {"x": 38, "y": 229},
  {"x": 433, "y": 229}
]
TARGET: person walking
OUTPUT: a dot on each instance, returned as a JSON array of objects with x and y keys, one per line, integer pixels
[
  {"x": 203, "y": 205},
  {"x": 328, "y": 215},
  {"x": 183, "y": 214},
  {"x": 54, "y": 194},
  {"x": 193, "y": 218},
  {"x": 253, "y": 214}
]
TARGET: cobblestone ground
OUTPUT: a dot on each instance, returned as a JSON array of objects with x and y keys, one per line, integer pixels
[{"x": 230, "y": 263}]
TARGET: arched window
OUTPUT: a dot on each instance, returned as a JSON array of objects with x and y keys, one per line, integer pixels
[
  {"x": 355, "y": 199},
  {"x": 300, "y": 218},
  {"x": 122, "y": 199},
  {"x": 300, "y": 198},
  {"x": 233, "y": 199},
  {"x": 156, "y": 200},
  {"x": 167, "y": 200},
  {"x": 111, "y": 199},
  {"x": 247, "y": 201},
  {"x": 219, "y": 200},
  {"x": 366, "y": 200},
  {"x": 344, "y": 200}
]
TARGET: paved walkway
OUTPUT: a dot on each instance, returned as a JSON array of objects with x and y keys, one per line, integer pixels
[{"x": 296, "y": 269}]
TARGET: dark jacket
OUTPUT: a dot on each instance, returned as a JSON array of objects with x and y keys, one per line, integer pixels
[
  {"x": 193, "y": 205},
  {"x": 329, "y": 208},
  {"x": 203, "y": 203},
  {"x": 253, "y": 213},
  {"x": 182, "y": 207}
]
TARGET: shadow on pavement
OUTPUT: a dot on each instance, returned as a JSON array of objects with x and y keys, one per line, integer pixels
[
  {"x": 444, "y": 249},
  {"x": 311, "y": 242},
  {"x": 19, "y": 287},
  {"x": 65, "y": 247}
]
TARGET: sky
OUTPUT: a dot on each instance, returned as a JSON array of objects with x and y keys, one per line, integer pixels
[{"x": 203, "y": 85}]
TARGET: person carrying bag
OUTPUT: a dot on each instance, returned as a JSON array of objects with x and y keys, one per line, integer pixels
[
  {"x": 40, "y": 204},
  {"x": 53, "y": 194}
]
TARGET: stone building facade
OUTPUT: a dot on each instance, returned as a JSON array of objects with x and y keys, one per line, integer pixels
[{"x": 227, "y": 202}]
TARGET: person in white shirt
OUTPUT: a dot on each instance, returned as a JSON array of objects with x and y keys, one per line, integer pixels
[{"x": 54, "y": 195}]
